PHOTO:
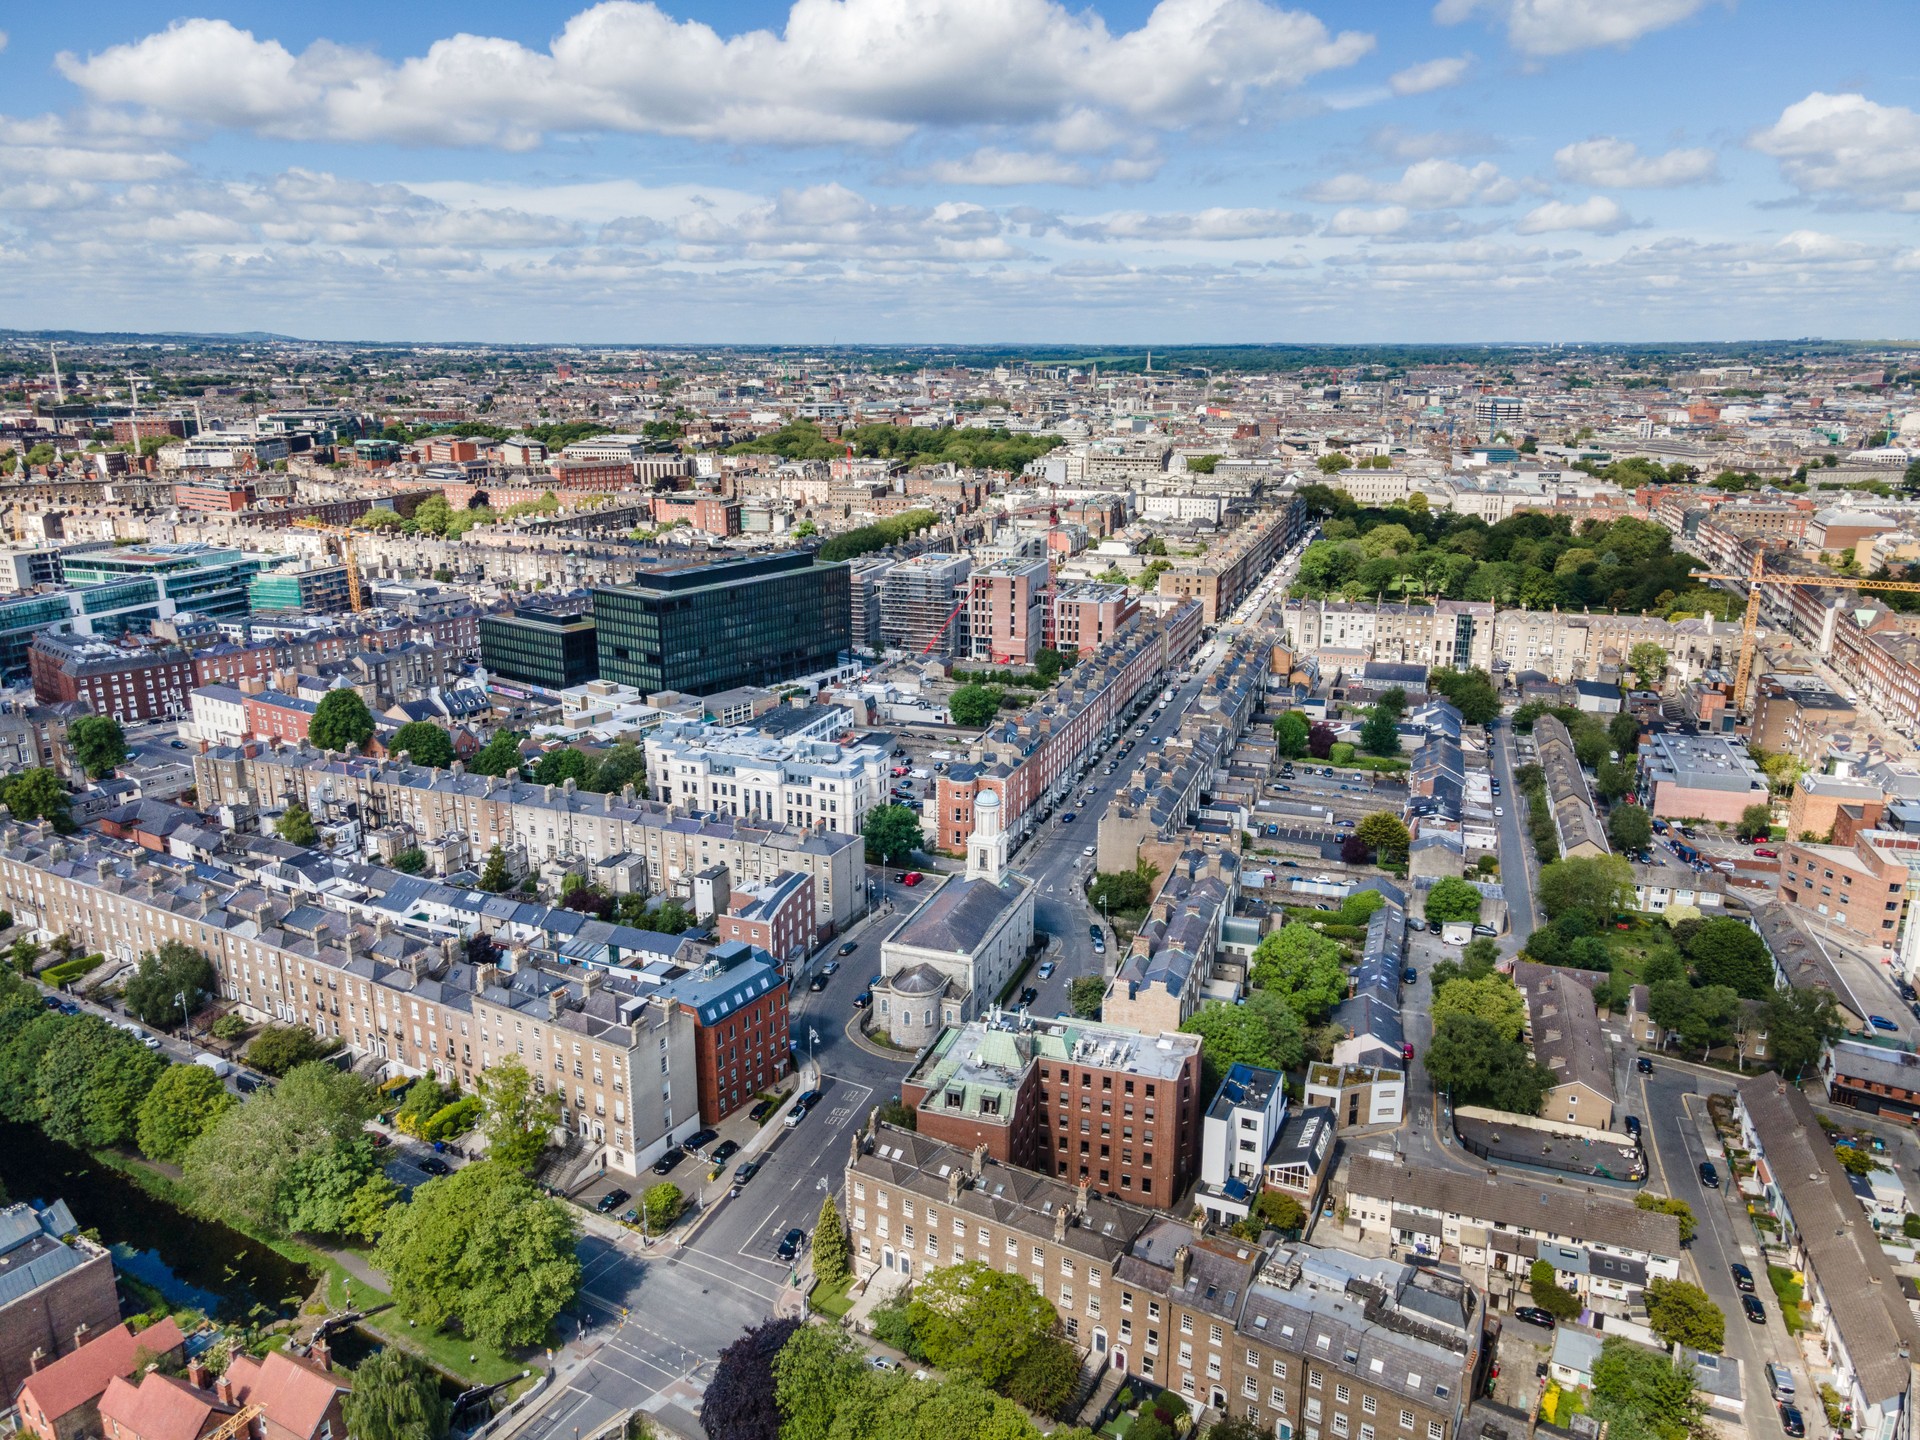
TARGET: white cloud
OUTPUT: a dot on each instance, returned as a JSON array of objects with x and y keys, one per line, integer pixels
[
  {"x": 1424, "y": 185},
  {"x": 1399, "y": 144},
  {"x": 1599, "y": 214},
  {"x": 3, "y": 40},
  {"x": 846, "y": 71},
  {"x": 1560, "y": 27},
  {"x": 1387, "y": 220},
  {"x": 1848, "y": 149},
  {"x": 1211, "y": 225},
  {"x": 1430, "y": 75},
  {"x": 1006, "y": 167},
  {"x": 49, "y": 147},
  {"x": 1618, "y": 164}
]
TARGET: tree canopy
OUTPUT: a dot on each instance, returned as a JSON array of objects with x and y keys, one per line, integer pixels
[
  {"x": 396, "y": 1396},
  {"x": 974, "y": 705},
  {"x": 97, "y": 743},
  {"x": 1300, "y": 967},
  {"x": 425, "y": 743},
  {"x": 1453, "y": 899},
  {"x": 1385, "y": 832},
  {"x": 1493, "y": 998},
  {"x": 1263, "y": 1030},
  {"x": 183, "y": 1105},
  {"x": 975, "y": 1320},
  {"x": 892, "y": 833},
  {"x": 1472, "y": 1061},
  {"x": 166, "y": 978},
  {"x": 739, "y": 1402},
  {"x": 515, "y": 1116},
  {"x": 1471, "y": 692},
  {"x": 1728, "y": 952},
  {"x": 1290, "y": 732},
  {"x": 1595, "y": 886},
  {"x": 341, "y": 721}
]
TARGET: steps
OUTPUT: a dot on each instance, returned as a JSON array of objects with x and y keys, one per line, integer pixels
[{"x": 1111, "y": 1379}]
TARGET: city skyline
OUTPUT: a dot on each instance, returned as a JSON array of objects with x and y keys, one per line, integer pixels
[{"x": 856, "y": 171}]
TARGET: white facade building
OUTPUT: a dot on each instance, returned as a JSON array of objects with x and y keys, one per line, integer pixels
[{"x": 749, "y": 773}]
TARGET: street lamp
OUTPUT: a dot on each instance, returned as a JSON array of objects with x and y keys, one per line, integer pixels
[{"x": 186, "y": 1020}]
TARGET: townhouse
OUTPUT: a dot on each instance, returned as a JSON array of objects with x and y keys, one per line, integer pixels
[
  {"x": 1456, "y": 634},
  {"x": 745, "y": 772},
  {"x": 1575, "y": 820}
]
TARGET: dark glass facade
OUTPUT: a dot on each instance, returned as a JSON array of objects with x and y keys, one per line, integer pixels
[
  {"x": 706, "y": 627},
  {"x": 534, "y": 647}
]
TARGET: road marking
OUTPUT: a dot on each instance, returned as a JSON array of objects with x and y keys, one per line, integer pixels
[{"x": 730, "y": 1280}]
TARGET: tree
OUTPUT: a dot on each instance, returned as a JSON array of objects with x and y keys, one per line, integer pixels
[
  {"x": 1124, "y": 890},
  {"x": 421, "y": 1103},
  {"x": 1854, "y": 1160},
  {"x": 830, "y": 1255},
  {"x": 739, "y": 1401},
  {"x": 1647, "y": 1390},
  {"x": 493, "y": 875},
  {"x": 515, "y": 1115},
  {"x": 165, "y": 977},
  {"x": 295, "y": 825},
  {"x": 1044, "y": 1379},
  {"x": 1299, "y": 966},
  {"x": 1471, "y": 692},
  {"x": 424, "y": 743},
  {"x": 973, "y": 705},
  {"x": 337, "y": 1189},
  {"x": 892, "y": 833},
  {"x": 1085, "y": 994},
  {"x": 1355, "y": 851},
  {"x": 1453, "y": 899},
  {"x": 278, "y": 1049},
  {"x": 1386, "y": 833},
  {"x": 1648, "y": 662},
  {"x": 432, "y": 515},
  {"x": 1474, "y": 1063},
  {"x": 411, "y": 861},
  {"x": 818, "y": 1376},
  {"x": 1493, "y": 998},
  {"x": 90, "y": 1081},
  {"x": 1624, "y": 732},
  {"x": 559, "y": 766},
  {"x": 341, "y": 721},
  {"x": 1380, "y": 735},
  {"x": 98, "y": 743},
  {"x": 257, "y": 1161},
  {"x": 1615, "y": 778},
  {"x": 1679, "y": 1312},
  {"x": 1264, "y": 1031},
  {"x": 978, "y": 1321},
  {"x": 1290, "y": 732},
  {"x": 482, "y": 1248},
  {"x": 1756, "y": 822},
  {"x": 499, "y": 756},
  {"x": 396, "y": 1396},
  {"x": 625, "y": 764},
  {"x": 1594, "y": 886},
  {"x": 38, "y": 795},
  {"x": 1801, "y": 1023},
  {"x": 1333, "y": 462},
  {"x": 183, "y": 1105},
  {"x": 1320, "y": 740},
  {"x": 1543, "y": 1283},
  {"x": 1629, "y": 829},
  {"x": 1667, "y": 1205},
  {"x": 663, "y": 1204},
  {"x": 1727, "y": 952}
]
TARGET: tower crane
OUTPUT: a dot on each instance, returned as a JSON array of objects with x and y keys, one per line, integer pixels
[
  {"x": 952, "y": 615},
  {"x": 340, "y": 542},
  {"x": 1759, "y": 576}
]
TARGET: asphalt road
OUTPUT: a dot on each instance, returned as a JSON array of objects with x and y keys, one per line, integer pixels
[{"x": 1517, "y": 868}]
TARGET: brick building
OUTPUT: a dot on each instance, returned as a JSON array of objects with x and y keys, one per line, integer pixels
[
  {"x": 738, "y": 1003},
  {"x": 777, "y": 917},
  {"x": 59, "y": 1290},
  {"x": 1082, "y": 618},
  {"x": 129, "y": 682},
  {"x": 1007, "y": 610},
  {"x": 62, "y": 1400}
]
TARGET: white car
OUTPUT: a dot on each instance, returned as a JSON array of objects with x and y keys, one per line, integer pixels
[
  {"x": 1499, "y": 809},
  {"x": 1087, "y": 851}
]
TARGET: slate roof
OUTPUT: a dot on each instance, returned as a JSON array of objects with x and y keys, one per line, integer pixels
[
  {"x": 1585, "y": 1215},
  {"x": 959, "y": 917}
]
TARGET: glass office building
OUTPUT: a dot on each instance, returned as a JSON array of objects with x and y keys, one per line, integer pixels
[
  {"x": 540, "y": 647},
  {"x": 206, "y": 579},
  {"x": 700, "y": 627}
]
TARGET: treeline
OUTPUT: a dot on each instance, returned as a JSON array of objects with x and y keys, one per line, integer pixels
[
  {"x": 555, "y": 436},
  {"x": 973, "y": 449},
  {"x": 877, "y": 536}
]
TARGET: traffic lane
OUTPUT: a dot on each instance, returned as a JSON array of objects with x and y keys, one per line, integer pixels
[{"x": 1515, "y": 846}]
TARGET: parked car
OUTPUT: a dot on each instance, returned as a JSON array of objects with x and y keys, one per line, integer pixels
[
  {"x": 790, "y": 1243},
  {"x": 1791, "y": 1421},
  {"x": 434, "y": 1165},
  {"x": 1534, "y": 1315},
  {"x": 1094, "y": 933},
  {"x": 724, "y": 1152},
  {"x": 912, "y": 877},
  {"x": 1764, "y": 852},
  {"x": 1643, "y": 1065},
  {"x": 1753, "y": 1309},
  {"x": 1067, "y": 819},
  {"x": 1099, "y": 944},
  {"x": 1487, "y": 930},
  {"x": 762, "y": 1109},
  {"x": 1633, "y": 1126},
  {"x": 1880, "y": 1022},
  {"x": 672, "y": 1157},
  {"x": 612, "y": 1201},
  {"x": 699, "y": 1141},
  {"x": 863, "y": 1000},
  {"x": 832, "y": 967},
  {"x": 1779, "y": 1380},
  {"x": 1028, "y": 995},
  {"x": 745, "y": 1171},
  {"x": 1409, "y": 975},
  {"x": 1742, "y": 1278},
  {"x": 1045, "y": 972},
  {"x": 1709, "y": 1176}
]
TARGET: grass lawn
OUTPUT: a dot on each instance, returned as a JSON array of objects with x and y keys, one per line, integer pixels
[
  {"x": 1632, "y": 949},
  {"x": 1787, "y": 1291},
  {"x": 832, "y": 1300}
]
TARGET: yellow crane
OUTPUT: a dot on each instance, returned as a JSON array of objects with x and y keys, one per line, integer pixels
[
  {"x": 235, "y": 1424},
  {"x": 1759, "y": 576},
  {"x": 340, "y": 542}
]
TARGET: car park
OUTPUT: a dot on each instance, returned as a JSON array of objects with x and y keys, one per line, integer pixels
[
  {"x": 1763, "y": 852},
  {"x": 1485, "y": 930},
  {"x": 1753, "y": 1310},
  {"x": 1742, "y": 1278},
  {"x": 1709, "y": 1176},
  {"x": 612, "y": 1201},
  {"x": 790, "y": 1243}
]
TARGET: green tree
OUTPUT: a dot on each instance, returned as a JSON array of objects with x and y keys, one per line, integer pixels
[
  {"x": 973, "y": 705},
  {"x": 38, "y": 795},
  {"x": 423, "y": 742},
  {"x": 1453, "y": 899},
  {"x": 1124, "y": 890},
  {"x": 663, "y": 1203},
  {"x": 1300, "y": 967},
  {"x": 183, "y": 1105},
  {"x": 91, "y": 1079},
  {"x": 97, "y": 743},
  {"x": 1668, "y": 1205},
  {"x": 1494, "y": 998},
  {"x": 295, "y": 825},
  {"x": 892, "y": 833},
  {"x": 422, "y": 1101},
  {"x": 411, "y": 861},
  {"x": 830, "y": 1254},
  {"x": 1641, "y": 1392},
  {"x": 341, "y": 721},
  {"x": 1471, "y": 692},
  {"x": 493, "y": 875},
  {"x": 1290, "y": 732},
  {"x": 337, "y": 1189},
  {"x": 396, "y": 1396},
  {"x": 165, "y": 977},
  {"x": 1854, "y": 1160},
  {"x": 482, "y": 1248},
  {"x": 625, "y": 764},
  {"x": 515, "y": 1115},
  {"x": 432, "y": 515},
  {"x": 1263, "y": 1031},
  {"x": 278, "y": 1049},
  {"x": 25, "y": 1033},
  {"x": 1595, "y": 886},
  {"x": 1756, "y": 822},
  {"x": 1475, "y": 1064},
  {"x": 1543, "y": 1284},
  {"x": 1801, "y": 1023},
  {"x": 1629, "y": 828},
  {"x": 1044, "y": 1379},
  {"x": 557, "y": 767},
  {"x": 1623, "y": 731},
  {"x": 500, "y": 756},
  {"x": 1727, "y": 952},
  {"x": 1648, "y": 662},
  {"x": 978, "y": 1321},
  {"x": 1679, "y": 1312},
  {"x": 1380, "y": 735},
  {"x": 1615, "y": 778},
  {"x": 1386, "y": 833},
  {"x": 254, "y": 1162},
  {"x": 805, "y": 530},
  {"x": 1333, "y": 462},
  {"x": 1085, "y": 993}
]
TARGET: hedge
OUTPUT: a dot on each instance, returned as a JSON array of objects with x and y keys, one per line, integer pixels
[
  {"x": 66, "y": 970},
  {"x": 451, "y": 1120}
]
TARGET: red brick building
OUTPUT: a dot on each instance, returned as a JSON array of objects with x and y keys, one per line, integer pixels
[
  {"x": 212, "y": 497},
  {"x": 738, "y": 1002},
  {"x": 62, "y": 1400},
  {"x": 707, "y": 513},
  {"x": 227, "y": 664},
  {"x": 273, "y": 715},
  {"x": 127, "y": 682},
  {"x": 777, "y": 917}
]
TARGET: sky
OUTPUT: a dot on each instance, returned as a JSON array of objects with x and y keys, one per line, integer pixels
[{"x": 964, "y": 171}]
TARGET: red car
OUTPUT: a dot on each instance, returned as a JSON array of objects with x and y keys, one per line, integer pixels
[
  {"x": 912, "y": 877},
  {"x": 1762, "y": 852},
  {"x": 1406, "y": 1051}
]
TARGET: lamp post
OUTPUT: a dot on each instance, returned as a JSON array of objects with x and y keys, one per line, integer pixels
[{"x": 186, "y": 1020}]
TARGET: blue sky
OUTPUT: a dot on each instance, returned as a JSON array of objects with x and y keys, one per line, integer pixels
[{"x": 965, "y": 170}]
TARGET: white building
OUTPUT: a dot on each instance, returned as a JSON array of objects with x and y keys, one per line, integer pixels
[
  {"x": 1235, "y": 1135},
  {"x": 219, "y": 715},
  {"x": 748, "y": 772}
]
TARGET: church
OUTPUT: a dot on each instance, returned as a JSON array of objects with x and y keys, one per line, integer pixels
[{"x": 949, "y": 961}]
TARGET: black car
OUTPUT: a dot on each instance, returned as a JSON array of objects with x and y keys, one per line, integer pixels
[
  {"x": 848, "y": 947},
  {"x": 1534, "y": 1315},
  {"x": 817, "y": 984},
  {"x": 699, "y": 1141},
  {"x": 1791, "y": 1422},
  {"x": 1643, "y": 1065},
  {"x": 724, "y": 1152},
  {"x": 1633, "y": 1126},
  {"x": 1029, "y": 995},
  {"x": 670, "y": 1159},
  {"x": 1709, "y": 1176},
  {"x": 745, "y": 1171},
  {"x": 1755, "y": 1311},
  {"x": 863, "y": 1000},
  {"x": 434, "y": 1165},
  {"x": 612, "y": 1201},
  {"x": 790, "y": 1243},
  {"x": 1742, "y": 1278},
  {"x": 1094, "y": 933},
  {"x": 762, "y": 1109}
]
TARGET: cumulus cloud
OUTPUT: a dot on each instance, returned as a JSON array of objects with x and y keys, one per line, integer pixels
[
  {"x": 1424, "y": 185},
  {"x": 1848, "y": 149},
  {"x": 1214, "y": 224},
  {"x": 1598, "y": 214},
  {"x": 1400, "y": 144},
  {"x": 1388, "y": 220},
  {"x": 1560, "y": 27},
  {"x": 840, "y": 71},
  {"x": 1618, "y": 164},
  {"x": 1430, "y": 75},
  {"x": 991, "y": 166}
]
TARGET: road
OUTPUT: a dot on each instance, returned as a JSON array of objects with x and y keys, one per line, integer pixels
[{"x": 1516, "y": 847}]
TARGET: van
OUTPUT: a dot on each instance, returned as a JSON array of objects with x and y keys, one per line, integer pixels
[{"x": 1780, "y": 1381}]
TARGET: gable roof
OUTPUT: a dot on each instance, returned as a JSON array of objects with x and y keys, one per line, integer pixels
[
  {"x": 158, "y": 1408},
  {"x": 294, "y": 1393},
  {"x": 84, "y": 1374}
]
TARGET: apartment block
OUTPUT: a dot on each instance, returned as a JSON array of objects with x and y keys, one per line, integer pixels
[
  {"x": 1234, "y": 564},
  {"x": 777, "y": 917},
  {"x": 1698, "y": 777},
  {"x": 1798, "y": 715},
  {"x": 59, "y": 1290},
  {"x": 1084, "y": 617},
  {"x": 1457, "y": 634},
  {"x": 129, "y": 682},
  {"x": 923, "y": 605},
  {"x": 1007, "y": 606},
  {"x": 1858, "y": 889},
  {"x": 758, "y": 777},
  {"x": 738, "y": 1004}
]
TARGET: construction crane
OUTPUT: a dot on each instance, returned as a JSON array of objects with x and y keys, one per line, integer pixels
[
  {"x": 1757, "y": 577},
  {"x": 237, "y": 1423},
  {"x": 952, "y": 615},
  {"x": 340, "y": 542}
]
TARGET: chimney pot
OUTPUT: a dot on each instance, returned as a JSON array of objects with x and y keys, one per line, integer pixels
[
  {"x": 223, "y": 1388},
  {"x": 197, "y": 1375}
]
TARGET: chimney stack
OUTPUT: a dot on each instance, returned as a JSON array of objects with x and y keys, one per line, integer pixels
[
  {"x": 979, "y": 1159},
  {"x": 80, "y": 1334},
  {"x": 320, "y": 1352},
  {"x": 197, "y": 1375},
  {"x": 223, "y": 1389},
  {"x": 1181, "y": 1258}
]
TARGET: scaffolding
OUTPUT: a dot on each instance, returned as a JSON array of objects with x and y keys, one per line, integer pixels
[{"x": 918, "y": 602}]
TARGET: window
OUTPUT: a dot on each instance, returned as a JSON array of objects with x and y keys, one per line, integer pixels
[
  {"x": 1369, "y": 1404},
  {"x": 1279, "y": 1369},
  {"x": 1343, "y": 1394},
  {"x": 1214, "y": 1335},
  {"x": 1434, "y": 1430},
  {"x": 1314, "y": 1379},
  {"x": 1186, "y": 1324}
]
